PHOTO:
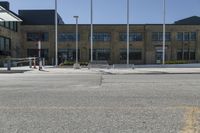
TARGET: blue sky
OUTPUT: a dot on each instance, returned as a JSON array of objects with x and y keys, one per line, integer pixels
[{"x": 114, "y": 11}]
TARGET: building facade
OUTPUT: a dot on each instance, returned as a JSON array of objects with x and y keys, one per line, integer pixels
[
  {"x": 182, "y": 40},
  {"x": 182, "y": 43}
]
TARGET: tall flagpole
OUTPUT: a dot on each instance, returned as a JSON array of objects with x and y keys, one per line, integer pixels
[
  {"x": 76, "y": 17},
  {"x": 127, "y": 32},
  {"x": 164, "y": 14},
  {"x": 56, "y": 35},
  {"x": 91, "y": 36}
]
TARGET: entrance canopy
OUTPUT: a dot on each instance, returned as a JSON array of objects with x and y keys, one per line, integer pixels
[{"x": 6, "y": 15}]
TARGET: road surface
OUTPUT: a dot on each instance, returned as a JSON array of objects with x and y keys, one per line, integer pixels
[{"x": 99, "y": 103}]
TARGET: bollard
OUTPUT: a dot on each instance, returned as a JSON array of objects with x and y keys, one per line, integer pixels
[
  {"x": 34, "y": 63},
  {"x": 8, "y": 65},
  {"x": 40, "y": 64},
  {"x": 30, "y": 63},
  {"x": 43, "y": 60}
]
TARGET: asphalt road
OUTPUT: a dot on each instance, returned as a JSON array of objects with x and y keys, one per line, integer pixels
[{"x": 99, "y": 103}]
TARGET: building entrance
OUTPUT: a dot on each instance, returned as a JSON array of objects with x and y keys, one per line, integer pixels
[{"x": 159, "y": 55}]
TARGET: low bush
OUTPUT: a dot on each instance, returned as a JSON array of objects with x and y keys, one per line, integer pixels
[
  {"x": 83, "y": 63},
  {"x": 177, "y": 62}
]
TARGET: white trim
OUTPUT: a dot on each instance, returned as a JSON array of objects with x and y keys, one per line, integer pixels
[{"x": 6, "y": 15}]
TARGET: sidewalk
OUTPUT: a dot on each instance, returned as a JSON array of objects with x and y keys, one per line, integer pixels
[{"x": 139, "y": 69}]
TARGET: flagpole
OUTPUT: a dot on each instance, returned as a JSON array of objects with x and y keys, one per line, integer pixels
[
  {"x": 91, "y": 36},
  {"x": 127, "y": 32},
  {"x": 56, "y": 35},
  {"x": 164, "y": 39}
]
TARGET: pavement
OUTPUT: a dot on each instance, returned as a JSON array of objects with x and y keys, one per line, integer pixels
[
  {"x": 138, "y": 69},
  {"x": 60, "y": 100}
]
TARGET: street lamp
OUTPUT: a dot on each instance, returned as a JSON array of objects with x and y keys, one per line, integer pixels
[
  {"x": 56, "y": 34},
  {"x": 76, "y": 65},
  {"x": 76, "y": 17},
  {"x": 127, "y": 32},
  {"x": 164, "y": 14}
]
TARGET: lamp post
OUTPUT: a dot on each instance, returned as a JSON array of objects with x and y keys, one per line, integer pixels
[
  {"x": 76, "y": 65},
  {"x": 91, "y": 32},
  {"x": 164, "y": 14},
  {"x": 127, "y": 32},
  {"x": 56, "y": 35}
]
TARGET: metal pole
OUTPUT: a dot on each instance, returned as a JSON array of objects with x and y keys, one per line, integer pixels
[
  {"x": 56, "y": 35},
  {"x": 39, "y": 55},
  {"x": 34, "y": 63},
  {"x": 127, "y": 32},
  {"x": 30, "y": 63},
  {"x": 164, "y": 13},
  {"x": 8, "y": 64},
  {"x": 39, "y": 49},
  {"x": 76, "y": 17},
  {"x": 91, "y": 36}
]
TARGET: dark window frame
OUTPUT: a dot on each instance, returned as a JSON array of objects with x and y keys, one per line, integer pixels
[
  {"x": 101, "y": 37},
  {"x": 37, "y": 36},
  {"x": 158, "y": 36},
  {"x": 134, "y": 54},
  {"x": 68, "y": 37},
  {"x": 133, "y": 36},
  {"x": 186, "y": 36}
]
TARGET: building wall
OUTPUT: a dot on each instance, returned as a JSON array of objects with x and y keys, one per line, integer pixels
[
  {"x": 84, "y": 44},
  {"x": 172, "y": 46},
  {"x": 16, "y": 50},
  {"x": 34, "y": 44},
  {"x": 147, "y": 45}
]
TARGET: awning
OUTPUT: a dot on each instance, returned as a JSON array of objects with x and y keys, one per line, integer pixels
[{"x": 6, "y": 15}]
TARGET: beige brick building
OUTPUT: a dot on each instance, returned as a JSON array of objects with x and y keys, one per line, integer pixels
[
  {"x": 20, "y": 40},
  {"x": 182, "y": 42}
]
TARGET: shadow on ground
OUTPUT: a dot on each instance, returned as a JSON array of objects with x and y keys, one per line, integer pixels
[{"x": 13, "y": 71}]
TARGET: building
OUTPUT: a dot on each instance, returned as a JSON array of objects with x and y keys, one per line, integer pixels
[
  {"x": 182, "y": 40},
  {"x": 10, "y": 44}
]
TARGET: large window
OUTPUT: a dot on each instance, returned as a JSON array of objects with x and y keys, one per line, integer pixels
[
  {"x": 67, "y": 55},
  {"x": 34, "y": 53},
  {"x": 186, "y": 54},
  {"x": 36, "y": 36},
  {"x": 5, "y": 46},
  {"x": 134, "y": 54},
  {"x": 133, "y": 36},
  {"x": 2, "y": 44},
  {"x": 10, "y": 25},
  {"x": 158, "y": 36},
  {"x": 69, "y": 36},
  {"x": 180, "y": 36},
  {"x": 193, "y": 36},
  {"x": 7, "y": 24},
  {"x": 101, "y": 54},
  {"x": 186, "y": 36},
  {"x": 102, "y": 36},
  {"x": 1, "y": 23}
]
